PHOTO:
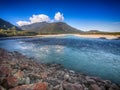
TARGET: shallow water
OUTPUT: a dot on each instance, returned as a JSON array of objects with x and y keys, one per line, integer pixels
[{"x": 97, "y": 57}]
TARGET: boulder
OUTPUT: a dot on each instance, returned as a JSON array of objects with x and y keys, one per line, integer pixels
[
  {"x": 69, "y": 86},
  {"x": 11, "y": 82},
  {"x": 35, "y": 86},
  {"x": 94, "y": 87},
  {"x": 5, "y": 70}
]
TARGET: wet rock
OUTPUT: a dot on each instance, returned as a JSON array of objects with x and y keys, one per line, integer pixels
[{"x": 69, "y": 86}]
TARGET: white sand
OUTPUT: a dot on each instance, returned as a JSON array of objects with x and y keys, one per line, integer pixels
[{"x": 81, "y": 35}]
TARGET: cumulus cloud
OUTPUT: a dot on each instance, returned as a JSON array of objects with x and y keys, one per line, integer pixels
[
  {"x": 59, "y": 17},
  {"x": 21, "y": 23},
  {"x": 41, "y": 18},
  {"x": 35, "y": 19}
]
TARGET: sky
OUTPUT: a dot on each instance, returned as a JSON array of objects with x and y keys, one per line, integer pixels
[{"x": 85, "y": 15}]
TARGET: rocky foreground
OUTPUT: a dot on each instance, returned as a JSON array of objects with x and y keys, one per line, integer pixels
[{"x": 17, "y": 72}]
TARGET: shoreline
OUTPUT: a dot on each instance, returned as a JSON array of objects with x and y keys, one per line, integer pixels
[
  {"x": 18, "y": 72},
  {"x": 116, "y": 37},
  {"x": 84, "y": 36}
]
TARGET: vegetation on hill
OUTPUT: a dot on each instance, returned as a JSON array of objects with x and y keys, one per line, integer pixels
[
  {"x": 14, "y": 32},
  {"x": 44, "y": 28},
  {"x": 5, "y": 25},
  {"x": 51, "y": 28}
]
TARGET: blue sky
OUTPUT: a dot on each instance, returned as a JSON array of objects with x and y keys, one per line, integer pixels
[{"x": 83, "y": 14}]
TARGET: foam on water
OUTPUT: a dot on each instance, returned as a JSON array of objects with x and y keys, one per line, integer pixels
[{"x": 95, "y": 57}]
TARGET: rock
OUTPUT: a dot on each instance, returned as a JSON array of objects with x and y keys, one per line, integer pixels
[
  {"x": 20, "y": 77},
  {"x": 5, "y": 70},
  {"x": 69, "y": 86},
  {"x": 94, "y": 87},
  {"x": 71, "y": 71},
  {"x": 1, "y": 88},
  {"x": 102, "y": 88},
  {"x": 114, "y": 87},
  {"x": 90, "y": 81},
  {"x": 35, "y": 86},
  {"x": 40, "y": 86},
  {"x": 27, "y": 81},
  {"x": 107, "y": 83},
  {"x": 43, "y": 75},
  {"x": 19, "y": 74},
  {"x": 11, "y": 82},
  {"x": 67, "y": 77}
]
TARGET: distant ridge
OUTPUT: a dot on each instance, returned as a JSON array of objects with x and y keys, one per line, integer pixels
[
  {"x": 7, "y": 25},
  {"x": 51, "y": 28}
]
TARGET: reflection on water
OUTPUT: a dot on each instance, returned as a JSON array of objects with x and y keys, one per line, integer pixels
[{"x": 91, "y": 56}]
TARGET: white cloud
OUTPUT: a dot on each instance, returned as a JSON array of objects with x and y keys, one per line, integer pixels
[
  {"x": 21, "y": 23},
  {"x": 41, "y": 18},
  {"x": 35, "y": 19},
  {"x": 59, "y": 17}
]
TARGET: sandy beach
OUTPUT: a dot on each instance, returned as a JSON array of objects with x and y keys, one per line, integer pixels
[{"x": 83, "y": 35}]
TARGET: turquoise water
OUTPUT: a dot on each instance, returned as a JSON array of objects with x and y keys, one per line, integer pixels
[{"x": 96, "y": 57}]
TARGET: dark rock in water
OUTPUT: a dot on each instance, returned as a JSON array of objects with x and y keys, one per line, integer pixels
[
  {"x": 17, "y": 72},
  {"x": 102, "y": 38},
  {"x": 118, "y": 38}
]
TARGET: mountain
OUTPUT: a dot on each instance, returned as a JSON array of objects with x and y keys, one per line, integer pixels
[
  {"x": 51, "y": 28},
  {"x": 94, "y": 31},
  {"x": 34, "y": 27},
  {"x": 7, "y": 25}
]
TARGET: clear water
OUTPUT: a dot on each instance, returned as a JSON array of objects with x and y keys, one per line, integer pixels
[{"x": 96, "y": 57}]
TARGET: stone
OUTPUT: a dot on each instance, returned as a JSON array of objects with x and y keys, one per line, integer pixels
[
  {"x": 35, "y": 86},
  {"x": 43, "y": 75},
  {"x": 69, "y": 86},
  {"x": 94, "y": 87},
  {"x": 19, "y": 74},
  {"x": 89, "y": 80},
  {"x": 114, "y": 87},
  {"x": 40, "y": 86},
  {"x": 12, "y": 81},
  {"x": 27, "y": 80},
  {"x": 66, "y": 77},
  {"x": 5, "y": 70},
  {"x": 1, "y": 88}
]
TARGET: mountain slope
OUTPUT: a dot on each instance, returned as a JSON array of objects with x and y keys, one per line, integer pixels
[
  {"x": 7, "y": 25},
  {"x": 51, "y": 28},
  {"x": 34, "y": 27}
]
